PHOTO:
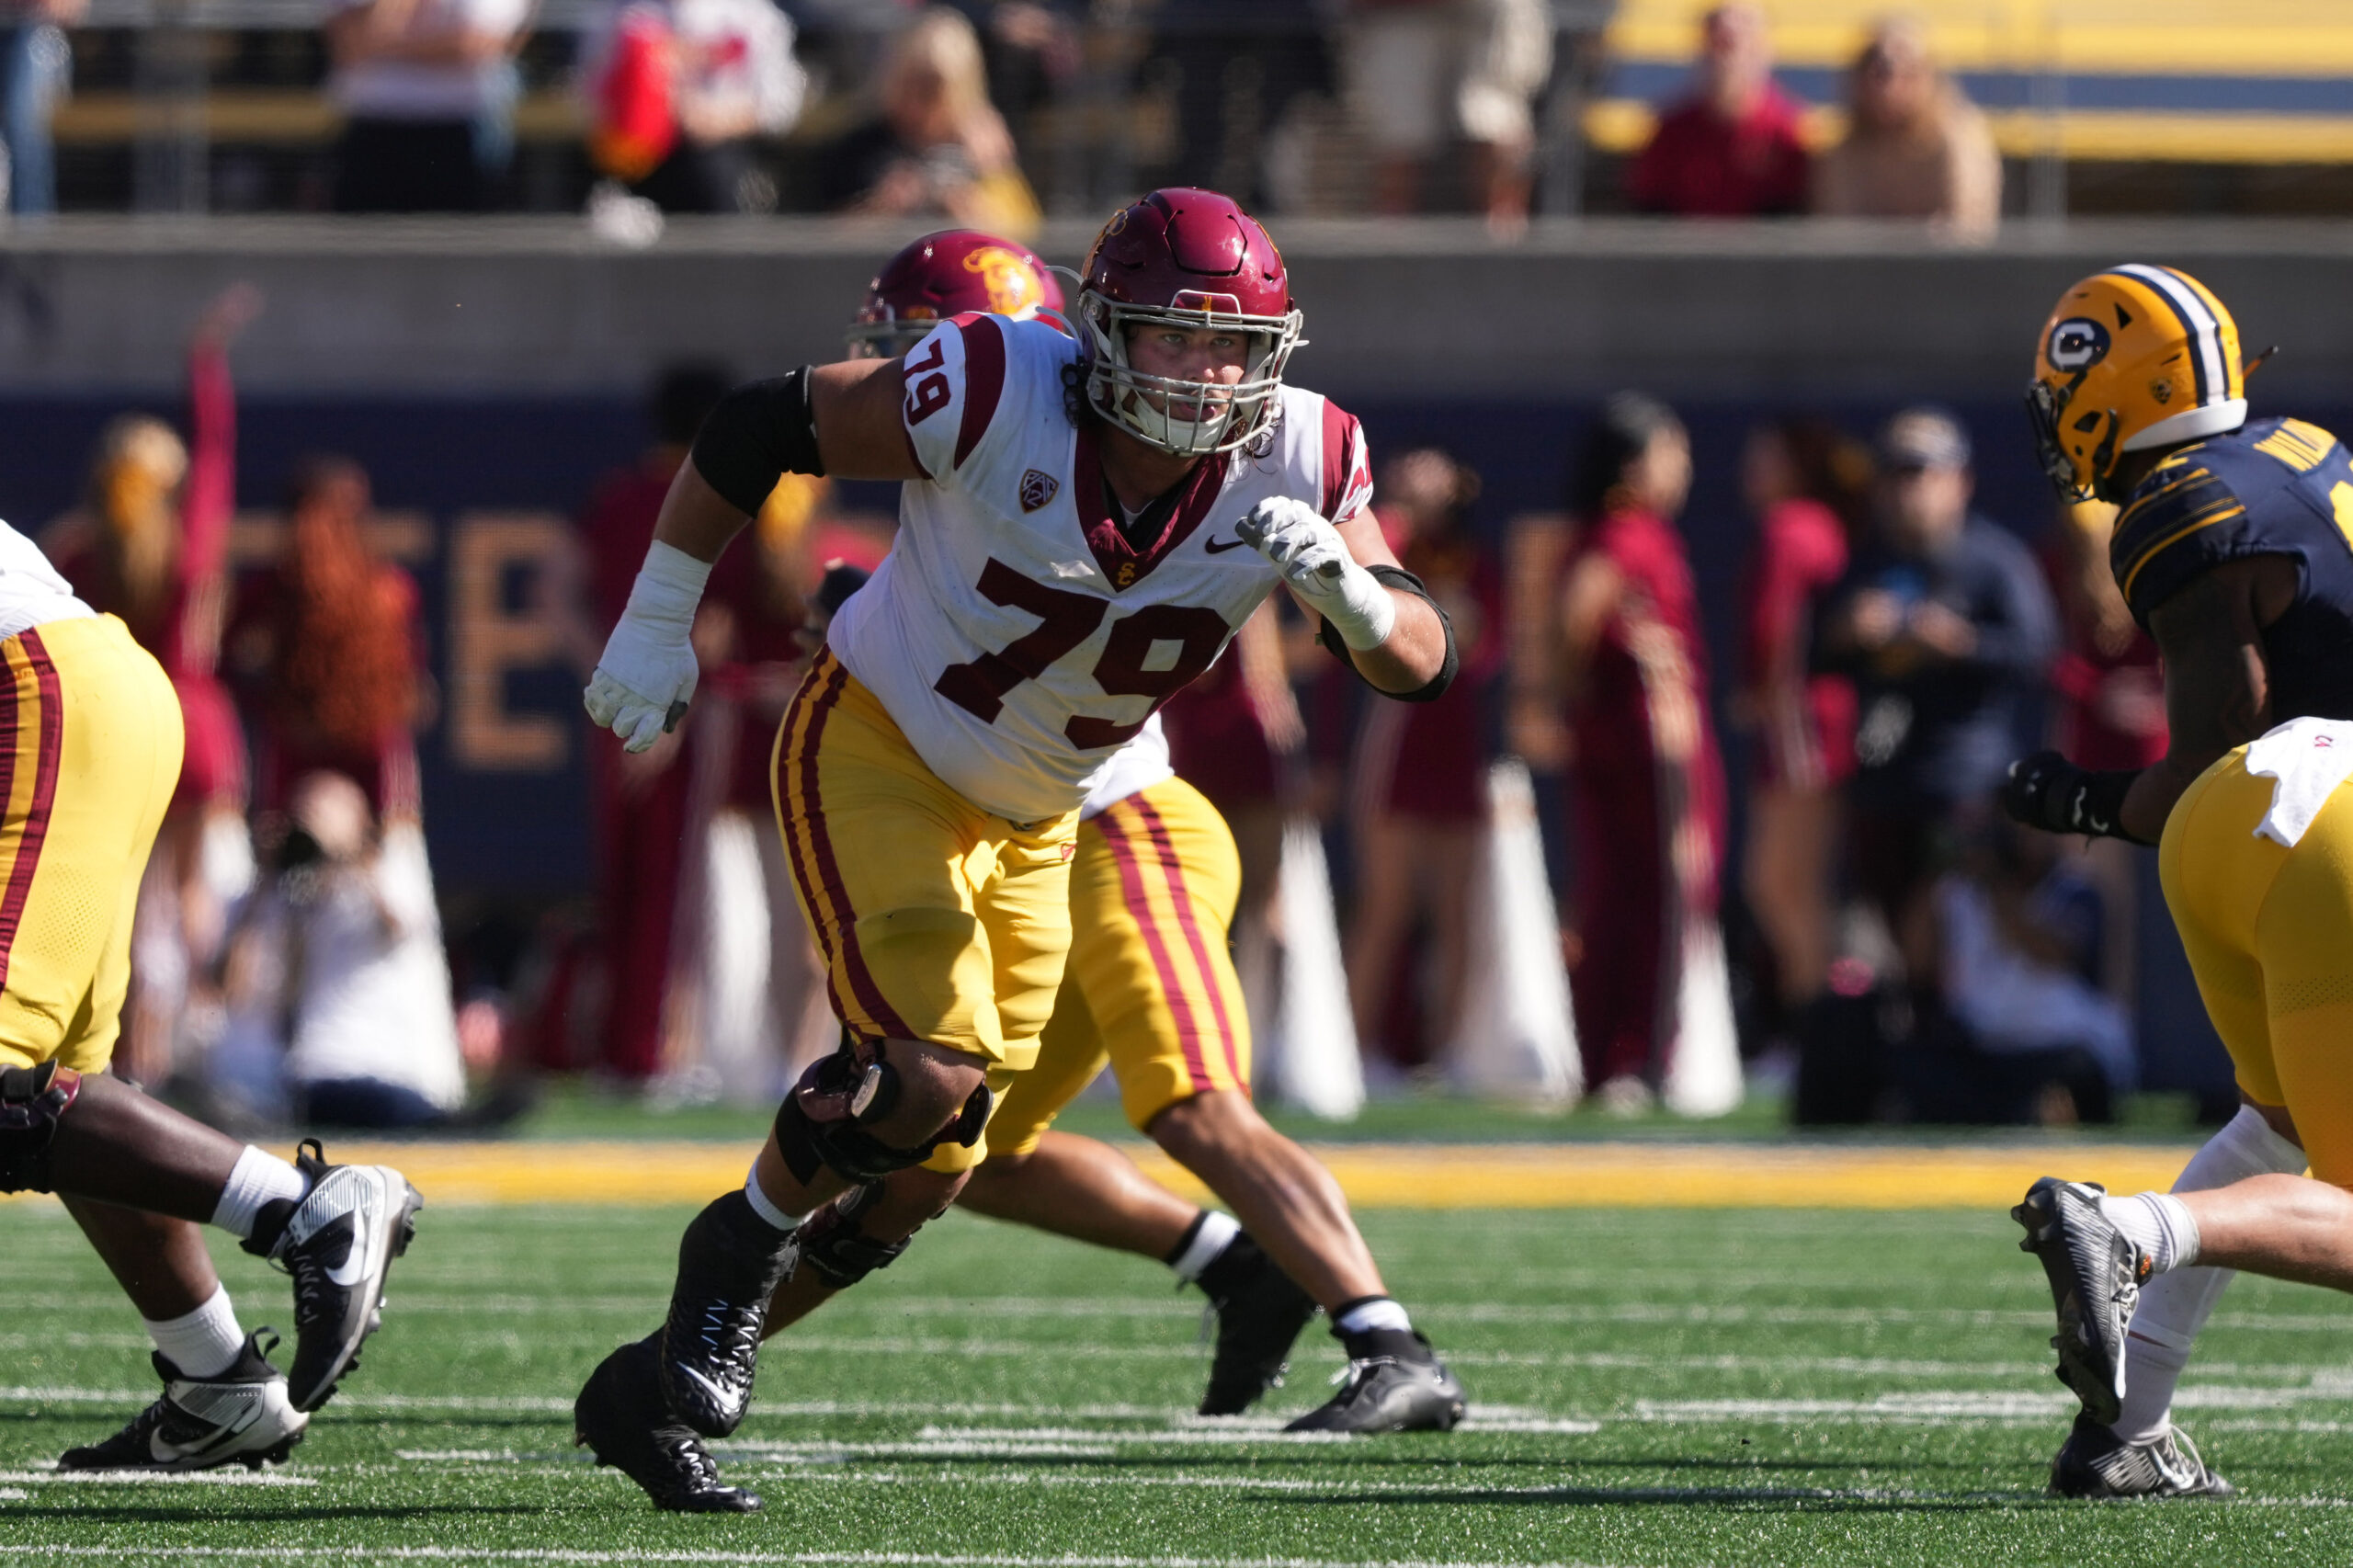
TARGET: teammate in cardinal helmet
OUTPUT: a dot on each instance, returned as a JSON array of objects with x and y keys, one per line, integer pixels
[
  {"x": 1083, "y": 527},
  {"x": 2232, "y": 551}
]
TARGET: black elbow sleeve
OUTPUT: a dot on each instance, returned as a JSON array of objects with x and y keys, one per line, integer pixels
[
  {"x": 757, "y": 435},
  {"x": 1405, "y": 582}
]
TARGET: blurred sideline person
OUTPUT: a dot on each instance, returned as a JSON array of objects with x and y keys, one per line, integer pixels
[
  {"x": 2229, "y": 551},
  {"x": 427, "y": 89},
  {"x": 1915, "y": 147},
  {"x": 997, "y": 689},
  {"x": 2020, "y": 933},
  {"x": 1648, "y": 785},
  {"x": 150, "y": 545},
  {"x": 1424, "y": 73},
  {"x": 93, "y": 734},
  {"x": 1735, "y": 148},
  {"x": 937, "y": 147},
  {"x": 1806, "y": 483},
  {"x": 1418, "y": 775},
  {"x": 640, "y": 799},
  {"x": 1150, "y": 989},
  {"x": 339, "y": 990},
  {"x": 1944, "y": 624},
  {"x": 329, "y": 637},
  {"x": 678, "y": 92}
]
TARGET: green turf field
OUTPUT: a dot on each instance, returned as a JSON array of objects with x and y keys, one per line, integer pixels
[{"x": 1664, "y": 1387}]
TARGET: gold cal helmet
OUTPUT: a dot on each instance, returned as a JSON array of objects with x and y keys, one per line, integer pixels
[{"x": 2132, "y": 358}]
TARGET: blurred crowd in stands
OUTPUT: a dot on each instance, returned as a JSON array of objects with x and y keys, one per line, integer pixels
[
  {"x": 984, "y": 112},
  {"x": 1896, "y": 949}
]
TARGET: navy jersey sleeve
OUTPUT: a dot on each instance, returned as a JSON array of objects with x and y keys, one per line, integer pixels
[{"x": 2185, "y": 519}]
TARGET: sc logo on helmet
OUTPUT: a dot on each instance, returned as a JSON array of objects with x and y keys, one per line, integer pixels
[{"x": 2076, "y": 343}]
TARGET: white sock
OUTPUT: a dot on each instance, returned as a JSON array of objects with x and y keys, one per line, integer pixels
[
  {"x": 764, "y": 1207},
  {"x": 1377, "y": 1312},
  {"x": 204, "y": 1342},
  {"x": 256, "y": 1179},
  {"x": 2161, "y": 1225},
  {"x": 1211, "y": 1234},
  {"x": 2174, "y": 1306}
]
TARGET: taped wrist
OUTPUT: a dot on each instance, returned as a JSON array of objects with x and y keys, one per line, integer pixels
[
  {"x": 758, "y": 434},
  {"x": 1405, "y": 582},
  {"x": 834, "y": 1242},
  {"x": 668, "y": 589}
]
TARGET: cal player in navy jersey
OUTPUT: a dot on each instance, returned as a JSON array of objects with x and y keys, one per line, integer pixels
[{"x": 2234, "y": 550}]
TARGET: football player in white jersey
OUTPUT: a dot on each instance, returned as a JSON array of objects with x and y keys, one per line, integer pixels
[
  {"x": 1084, "y": 525},
  {"x": 1151, "y": 988}
]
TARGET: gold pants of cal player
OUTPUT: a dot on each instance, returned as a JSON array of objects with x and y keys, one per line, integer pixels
[
  {"x": 1151, "y": 986},
  {"x": 2270, "y": 934},
  {"x": 89, "y": 754},
  {"x": 936, "y": 920}
]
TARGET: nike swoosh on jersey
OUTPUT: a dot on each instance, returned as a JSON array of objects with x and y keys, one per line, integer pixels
[{"x": 1219, "y": 547}]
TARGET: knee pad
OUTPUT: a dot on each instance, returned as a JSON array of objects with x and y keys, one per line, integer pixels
[
  {"x": 821, "y": 1122},
  {"x": 31, "y": 1101},
  {"x": 835, "y": 1244}
]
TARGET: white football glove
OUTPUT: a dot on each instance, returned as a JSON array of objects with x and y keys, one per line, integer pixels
[
  {"x": 1315, "y": 560},
  {"x": 646, "y": 676}
]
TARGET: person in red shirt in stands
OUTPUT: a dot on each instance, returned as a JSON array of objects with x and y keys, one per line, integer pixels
[{"x": 1732, "y": 149}]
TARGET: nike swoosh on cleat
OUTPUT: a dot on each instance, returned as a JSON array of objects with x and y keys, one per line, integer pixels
[
  {"x": 728, "y": 1405},
  {"x": 354, "y": 1265},
  {"x": 1216, "y": 546}
]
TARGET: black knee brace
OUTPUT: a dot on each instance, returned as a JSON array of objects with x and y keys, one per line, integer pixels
[
  {"x": 833, "y": 1243},
  {"x": 819, "y": 1123},
  {"x": 31, "y": 1101}
]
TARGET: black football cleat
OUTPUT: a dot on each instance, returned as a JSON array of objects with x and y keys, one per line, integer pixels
[
  {"x": 238, "y": 1415},
  {"x": 337, "y": 1243},
  {"x": 2095, "y": 1462},
  {"x": 620, "y": 1417},
  {"x": 1401, "y": 1386},
  {"x": 730, "y": 1262},
  {"x": 1259, "y": 1314},
  {"x": 2096, "y": 1274}
]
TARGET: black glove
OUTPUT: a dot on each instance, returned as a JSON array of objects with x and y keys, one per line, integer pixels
[{"x": 2046, "y": 790}]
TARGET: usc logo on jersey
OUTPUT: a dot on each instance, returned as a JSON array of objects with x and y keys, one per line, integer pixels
[{"x": 1012, "y": 287}]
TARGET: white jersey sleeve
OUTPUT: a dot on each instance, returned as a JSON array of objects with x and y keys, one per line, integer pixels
[{"x": 953, "y": 383}]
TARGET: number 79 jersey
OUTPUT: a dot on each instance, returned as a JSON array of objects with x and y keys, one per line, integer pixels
[{"x": 1015, "y": 633}]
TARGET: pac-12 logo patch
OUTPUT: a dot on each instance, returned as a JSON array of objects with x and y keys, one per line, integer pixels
[
  {"x": 2077, "y": 344},
  {"x": 1037, "y": 489}
]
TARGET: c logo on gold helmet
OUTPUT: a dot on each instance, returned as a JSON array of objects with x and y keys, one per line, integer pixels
[{"x": 2130, "y": 358}]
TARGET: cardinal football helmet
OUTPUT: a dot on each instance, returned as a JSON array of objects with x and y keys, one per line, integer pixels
[
  {"x": 948, "y": 274},
  {"x": 1188, "y": 258},
  {"x": 2132, "y": 358}
]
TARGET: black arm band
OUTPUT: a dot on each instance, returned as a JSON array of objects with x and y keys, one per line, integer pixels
[
  {"x": 1405, "y": 582},
  {"x": 757, "y": 435}
]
